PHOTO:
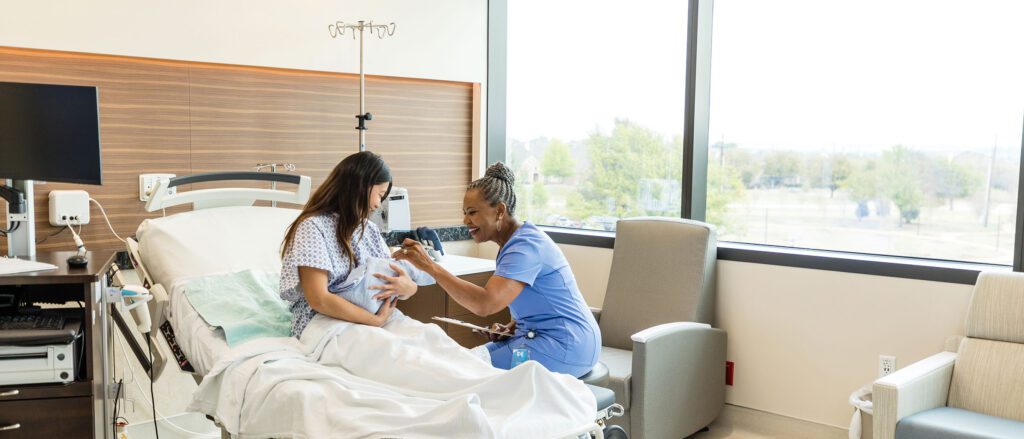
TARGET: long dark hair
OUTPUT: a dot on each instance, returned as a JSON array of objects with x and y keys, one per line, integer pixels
[{"x": 344, "y": 193}]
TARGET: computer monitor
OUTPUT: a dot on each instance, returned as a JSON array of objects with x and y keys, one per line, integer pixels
[{"x": 49, "y": 133}]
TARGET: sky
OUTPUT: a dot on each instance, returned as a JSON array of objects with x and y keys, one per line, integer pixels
[{"x": 794, "y": 74}]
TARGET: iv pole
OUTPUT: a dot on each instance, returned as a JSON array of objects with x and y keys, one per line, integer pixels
[{"x": 338, "y": 29}]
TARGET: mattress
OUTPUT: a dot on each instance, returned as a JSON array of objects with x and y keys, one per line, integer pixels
[{"x": 193, "y": 244}]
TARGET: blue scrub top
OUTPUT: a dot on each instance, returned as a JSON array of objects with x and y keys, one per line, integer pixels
[{"x": 567, "y": 338}]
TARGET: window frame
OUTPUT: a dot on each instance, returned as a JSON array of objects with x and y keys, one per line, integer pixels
[{"x": 695, "y": 161}]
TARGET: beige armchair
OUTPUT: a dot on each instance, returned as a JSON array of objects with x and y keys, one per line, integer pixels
[
  {"x": 661, "y": 356},
  {"x": 976, "y": 392}
]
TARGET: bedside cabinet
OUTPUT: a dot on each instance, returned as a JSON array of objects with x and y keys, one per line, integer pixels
[{"x": 77, "y": 409}]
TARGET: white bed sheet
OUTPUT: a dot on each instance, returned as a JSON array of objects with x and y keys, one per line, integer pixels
[
  {"x": 201, "y": 343},
  {"x": 187, "y": 245}
]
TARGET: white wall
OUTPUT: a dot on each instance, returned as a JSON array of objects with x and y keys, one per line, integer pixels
[
  {"x": 439, "y": 39},
  {"x": 802, "y": 339}
]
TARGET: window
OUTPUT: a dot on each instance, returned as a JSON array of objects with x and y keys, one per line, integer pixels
[
  {"x": 883, "y": 127},
  {"x": 595, "y": 109}
]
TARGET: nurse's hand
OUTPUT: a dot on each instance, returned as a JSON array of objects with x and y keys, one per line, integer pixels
[
  {"x": 413, "y": 252},
  {"x": 400, "y": 285},
  {"x": 509, "y": 329}
]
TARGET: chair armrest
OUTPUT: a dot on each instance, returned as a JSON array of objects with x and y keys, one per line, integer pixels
[
  {"x": 678, "y": 379},
  {"x": 597, "y": 314},
  {"x": 921, "y": 386}
]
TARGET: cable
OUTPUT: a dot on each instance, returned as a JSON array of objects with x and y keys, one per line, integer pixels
[
  {"x": 124, "y": 352},
  {"x": 58, "y": 232},
  {"x": 4, "y": 232},
  {"x": 149, "y": 344},
  {"x": 104, "y": 212}
]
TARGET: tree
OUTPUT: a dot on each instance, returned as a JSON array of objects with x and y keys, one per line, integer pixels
[
  {"x": 780, "y": 167},
  {"x": 725, "y": 186},
  {"x": 557, "y": 162},
  {"x": 953, "y": 179},
  {"x": 539, "y": 199},
  {"x": 901, "y": 175},
  {"x": 862, "y": 185},
  {"x": 618, "y": 163}
]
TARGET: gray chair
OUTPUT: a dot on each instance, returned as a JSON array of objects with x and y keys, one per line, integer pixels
[
  {"x": 660, "y": 354},
  {"x": 976, "y": 392}
]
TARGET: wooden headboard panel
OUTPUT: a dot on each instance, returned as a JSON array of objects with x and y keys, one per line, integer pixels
[{"x": 186, "y": 117}]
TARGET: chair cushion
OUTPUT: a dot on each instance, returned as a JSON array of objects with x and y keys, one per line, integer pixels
[
  {"x": 987, "y": 378},
  {"x": 954, "y": 423},
  {"x": 598, "y": 376},
  {"x": 605, "y": 397},
  {"x": 620, "y": 370},
  {"x": 996, "y": 307}
]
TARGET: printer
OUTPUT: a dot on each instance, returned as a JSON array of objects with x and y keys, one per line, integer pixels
[
  {"x": 53, "y": 363},
  {"x": 30, "y": 356}
]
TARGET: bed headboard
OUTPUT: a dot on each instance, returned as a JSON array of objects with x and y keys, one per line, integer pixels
[{"x": 165, "y": 192}]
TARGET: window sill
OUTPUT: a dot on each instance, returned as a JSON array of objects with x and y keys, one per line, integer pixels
[{"x": 858, "y": 263}]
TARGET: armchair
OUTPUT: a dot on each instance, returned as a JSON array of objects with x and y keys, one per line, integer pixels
[
  {"x": 976, "y": 392},
  {"x": 660, "y": 355}
]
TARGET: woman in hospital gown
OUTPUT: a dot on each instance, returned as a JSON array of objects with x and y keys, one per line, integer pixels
[
  {"x": 331, "y": 237},
  {"x": 532, "y": 278}
]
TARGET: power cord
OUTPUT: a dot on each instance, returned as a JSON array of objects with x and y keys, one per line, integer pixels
[
  {"x": 104, "y": 212},
  {"x": 149, "y": 344},
  {"x": 58, "y": 232},
  {"x": 124, "y": 353}
]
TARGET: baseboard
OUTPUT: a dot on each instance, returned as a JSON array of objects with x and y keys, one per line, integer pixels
[{"x": 742, "y": 422}]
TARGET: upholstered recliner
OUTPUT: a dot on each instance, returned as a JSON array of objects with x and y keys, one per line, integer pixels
[
  {"x": 661, "y": 356},
  {"x": 976, "y": 392}
]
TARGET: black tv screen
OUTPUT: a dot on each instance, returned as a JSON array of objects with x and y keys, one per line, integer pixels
[{"x": 49, "y": 133}]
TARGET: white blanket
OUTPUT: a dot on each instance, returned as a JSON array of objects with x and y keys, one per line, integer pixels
[{"x": 407, "y": 379}]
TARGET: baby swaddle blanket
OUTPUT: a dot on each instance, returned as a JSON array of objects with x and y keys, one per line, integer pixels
[{"x": 356, "y": 288}]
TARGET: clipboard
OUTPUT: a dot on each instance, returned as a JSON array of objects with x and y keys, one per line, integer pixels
[{"x": 470, "y": 325}]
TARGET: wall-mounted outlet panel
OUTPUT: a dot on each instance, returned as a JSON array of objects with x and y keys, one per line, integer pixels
[
  {"x": 148, "y": 181},
  {"x": 886, "y": 365},
  {"x": 69, "y": 207}
]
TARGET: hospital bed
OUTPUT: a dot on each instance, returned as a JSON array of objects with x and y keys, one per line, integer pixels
[{"x": 225, "y": 233}]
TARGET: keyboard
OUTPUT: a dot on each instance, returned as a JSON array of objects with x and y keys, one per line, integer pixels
[
  {"x": 31, "y": 321},
  {"x": 13, "y": 265}
]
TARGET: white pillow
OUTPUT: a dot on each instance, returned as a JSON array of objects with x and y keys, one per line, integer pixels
[{"x": 211, "y": 241}]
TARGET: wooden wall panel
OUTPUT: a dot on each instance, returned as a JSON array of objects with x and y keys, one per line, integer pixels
[
  {"x": 184, "y": 117},
  {"x": 143, "y": 128}
]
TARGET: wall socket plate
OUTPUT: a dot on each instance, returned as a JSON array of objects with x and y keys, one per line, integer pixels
[
  {"x": 148, "y": 181},
  {"x": 69, "y": 207},
  {"x": 886, "y": 365}
]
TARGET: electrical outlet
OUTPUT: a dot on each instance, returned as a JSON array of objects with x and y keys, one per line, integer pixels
[
  {"x": 148, "y": 181},
  {"x": 886, "y": 365},
  {"x": 69, "y": 207}
]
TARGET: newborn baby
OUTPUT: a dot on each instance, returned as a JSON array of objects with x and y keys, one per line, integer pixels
[{"x": 356, "y": 288}]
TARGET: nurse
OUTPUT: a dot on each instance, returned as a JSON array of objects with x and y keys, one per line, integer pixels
[{"x": 532, "y": 278}]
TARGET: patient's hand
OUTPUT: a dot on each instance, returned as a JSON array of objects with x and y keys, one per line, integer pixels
[
  {"x": 400, "y": 285},
  {"x": 384, "y": 312}
]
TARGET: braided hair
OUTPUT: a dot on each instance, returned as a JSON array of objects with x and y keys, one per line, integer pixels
[{"x": 497, "y": 186}]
